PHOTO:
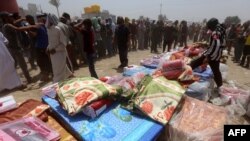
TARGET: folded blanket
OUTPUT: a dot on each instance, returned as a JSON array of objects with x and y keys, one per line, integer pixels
[
  {"x": 74, "y": 94},
  {"x": 158, "y": 98},
  {"x": 28, "y": 108}
]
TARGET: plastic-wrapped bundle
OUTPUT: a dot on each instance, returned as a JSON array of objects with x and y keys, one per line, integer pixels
[
  {"x": 205, "y": 75},
  {"x": 191, "y": 52},
  {"x": 128, "y": 84},
  {"x": 178, "y": 55},
  {"x": 164, "y": 58},
  {"x": 199, "y": 90},
  {"x": 238, "y": 100},
  {"x": 231, "y": 93},
  {"x": 201, "y": 68},
  {"x": 133, "y": 69},
  {"x": 197, "y": 121},
  {"x": 173, "y": 69},
  {"x": 112, "y": 79},
  {"x": 224, "y": 71},
  {"x": 150, "y": 63},
  {"x": 187, "y": 75}
]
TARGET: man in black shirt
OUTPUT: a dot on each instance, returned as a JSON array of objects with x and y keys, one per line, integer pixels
[{"x": 122, "y": 38}]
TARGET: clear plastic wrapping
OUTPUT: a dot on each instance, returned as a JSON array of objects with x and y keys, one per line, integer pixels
[{"x": 197, "y": 121}]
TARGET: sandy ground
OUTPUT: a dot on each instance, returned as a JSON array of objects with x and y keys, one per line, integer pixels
[{"x": 107, "y": 67}]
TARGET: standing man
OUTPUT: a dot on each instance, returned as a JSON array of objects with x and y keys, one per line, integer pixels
[
  {"x": 86, "y": 28},
  {"x": 122, "y": 39},
  {"x": 57, "y": 50},
  {"x": 134, "y": 29},
  {"x": 183, "y": 33},
  {"x": 168, "y": 37},
  {"x": 41, "y": 45},
  {"x": 32, "y": 52},
  {"x": 214, "y": 52},
  {"x": 70, "y": 45},
  {"x": 16, "y": 51},
  {"x": 141, "y": 34},
  {"x": 231, "y": 38},
  {"x": 176, "y": 33},
  {"x": 246, "y": 50},
  {"x": 154, "y": 36}
]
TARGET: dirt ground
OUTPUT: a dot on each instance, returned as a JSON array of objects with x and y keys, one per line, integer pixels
[{"x": 107, "y": 67}]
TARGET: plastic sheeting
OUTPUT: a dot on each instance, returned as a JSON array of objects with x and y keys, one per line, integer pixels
[
  {"x": 237, "y": 99},
  {"x": 150, "y": 63},
  {"x": 133, "y": 69},
  {"x": 173, "y": 69},
  {"x": 197, "y": 121},
  {"x": 200, "y": 90}
]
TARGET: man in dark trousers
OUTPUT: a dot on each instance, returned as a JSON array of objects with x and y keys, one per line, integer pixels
[
  {"x": 214, "y": 52},
  {"x": 121, "y": 38},
  {"x": 88, "y": 44},
  {"x": 14, "y": 47}
]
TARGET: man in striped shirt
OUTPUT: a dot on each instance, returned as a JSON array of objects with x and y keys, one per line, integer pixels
[{"x": 213, "y": 54}]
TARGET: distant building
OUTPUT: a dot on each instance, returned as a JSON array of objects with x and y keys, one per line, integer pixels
[
  {"x": 9, "y": 6},
  {"x": 104, "y": 15}
]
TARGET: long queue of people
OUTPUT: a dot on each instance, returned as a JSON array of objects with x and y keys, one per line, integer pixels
[{"x": 59, "y": 46}]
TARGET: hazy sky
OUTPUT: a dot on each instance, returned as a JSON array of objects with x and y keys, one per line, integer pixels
[{"x": 194, "y": 10}]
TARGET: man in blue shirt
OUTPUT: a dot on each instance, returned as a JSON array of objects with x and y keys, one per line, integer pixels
[{"x": 41, "y": 45}]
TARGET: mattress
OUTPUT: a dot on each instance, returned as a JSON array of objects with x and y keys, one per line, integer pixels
[{"x": 113, "y": 124}]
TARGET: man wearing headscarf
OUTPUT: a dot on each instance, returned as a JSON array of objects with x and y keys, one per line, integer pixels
[
  {"x": 57, "y": 49},
  {"x": 71, "y": 47},
  {"x": 97, "y": 37},
  {"x": 9, "y": 78},
  {"x": 214, "y": 52}
]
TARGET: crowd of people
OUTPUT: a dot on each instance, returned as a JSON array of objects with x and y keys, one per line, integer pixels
[{"x": 59, "y": 46}]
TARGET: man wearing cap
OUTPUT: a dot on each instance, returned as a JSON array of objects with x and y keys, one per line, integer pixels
[{"x": 214, "y": 52}]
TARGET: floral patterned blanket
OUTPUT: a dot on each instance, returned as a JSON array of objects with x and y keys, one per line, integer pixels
[
  {"x": 74, "y": 94},
  {"x": 158, "y": 98}
]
